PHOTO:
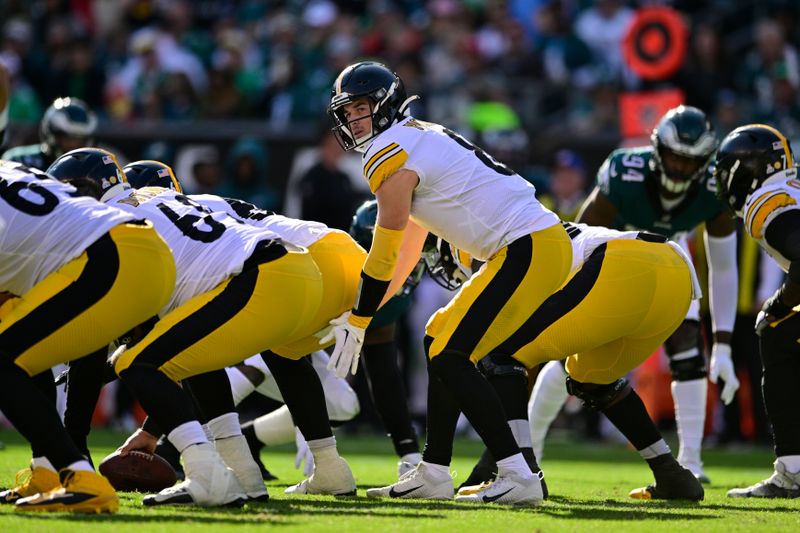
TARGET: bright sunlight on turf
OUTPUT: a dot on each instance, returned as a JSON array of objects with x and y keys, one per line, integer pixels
[{"x": 588, "y": 484}]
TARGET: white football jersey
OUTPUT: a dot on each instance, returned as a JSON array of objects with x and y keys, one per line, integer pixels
[
  {"x": 778, "y": 194},
  {"x": 44, "y": 225},
  {"x": 464, "y": 196},
  {"x": 208, "y": 247},
  {"x": 300, "y": 232}
]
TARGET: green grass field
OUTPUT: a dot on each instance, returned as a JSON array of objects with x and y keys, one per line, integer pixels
[{"x": 588, "y": 485}]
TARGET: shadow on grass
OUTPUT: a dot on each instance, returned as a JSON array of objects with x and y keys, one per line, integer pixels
[{"x": 183, "y": 516}]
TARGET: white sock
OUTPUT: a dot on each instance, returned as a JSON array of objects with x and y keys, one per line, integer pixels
[
  {"x": 42, "y": 462},
  {"x": 187, "y": 434},
  {"x": 241, "y": 387},
  {"x": 522, "y": 432},
  {"x": 275, "y": 428},
  {"x": 225, "y": 426},
  {"x": 792, "y": 462},
  {"x": 654, "y": 450},
  {"x": 412, "y": 458},
  {"x": 82, "y": 465},
  {"x": 690, "y": 414},
  {"x": 323, "y": 449},
  {"x": 514, "y": 464},
  {"x": 548, "y": 397},
  {"x": 437, "y": 470}
]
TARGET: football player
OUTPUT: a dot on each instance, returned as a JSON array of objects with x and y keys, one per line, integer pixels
[
  {"x": 71, "y": 273},
  {"x": 757, "y": 178},
  {"x": 428, "y": 178},
  {"x": 67, "y": 124},
  {"x": 627, "y": 293},
  {"x": 229, "y": 277},
  {"x": 667, "y": 188}
]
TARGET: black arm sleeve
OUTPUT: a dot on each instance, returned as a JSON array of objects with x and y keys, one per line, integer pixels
[{"x": 783, "y": 234}]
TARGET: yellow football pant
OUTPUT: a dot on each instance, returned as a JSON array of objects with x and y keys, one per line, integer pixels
[
  {"x": 340, "y": 260},
  {"x": 494, "y": 304},
  {"x": 118, "y": 282},
  {"x": 613, "y": 313},
  {"x": 265, "y": 305}
]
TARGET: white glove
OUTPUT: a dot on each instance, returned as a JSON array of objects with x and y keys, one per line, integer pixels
[
  {"x": 347, "y": 349},
  {"x": 303, "y": 454},
  {"x": 722, "y": 367}
]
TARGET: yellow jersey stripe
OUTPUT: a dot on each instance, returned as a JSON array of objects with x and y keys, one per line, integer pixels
[
  {"x": 372, "y": 160},
  {"x": 780, "y": 199},
  {"x": 391, "y": 164},
  {"x": 754, "y": 207}
]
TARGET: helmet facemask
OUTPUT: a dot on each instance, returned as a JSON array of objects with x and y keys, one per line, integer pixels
[
  {"x": 684, "y": 144},
  {"x": 446, "y": 265}
]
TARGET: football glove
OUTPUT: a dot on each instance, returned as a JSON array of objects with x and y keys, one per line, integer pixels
[
  {"x": 773, "y": 310},
  {"x": 722, "y": 367},
  {"x": 303, "y": 454},
  {"x": 347, "y": 349}
]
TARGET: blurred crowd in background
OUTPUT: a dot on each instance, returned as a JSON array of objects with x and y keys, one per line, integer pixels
[{"x": 511, "y": 75}]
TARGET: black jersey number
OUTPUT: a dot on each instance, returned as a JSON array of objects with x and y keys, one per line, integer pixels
[
  {"x": 188, "y": 223},
  {"x": 30, "y": 198},
  {"x": 485, "y": 158},
  {"x": 248, "y": 211}
]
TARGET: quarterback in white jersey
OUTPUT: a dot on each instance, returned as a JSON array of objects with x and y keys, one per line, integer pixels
[
  {"x": 757, "y": 176},
  {"x": 68, "y": 275},
  {"x": 428, "y": 178}
]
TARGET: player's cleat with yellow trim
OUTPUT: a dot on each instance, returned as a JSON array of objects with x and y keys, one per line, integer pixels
[
  {"x": 676, "y": 484},
  {"x": 80, "y": 492},
  {"x": 508, "y": 489},
  {"x": 30, "y": 481}
]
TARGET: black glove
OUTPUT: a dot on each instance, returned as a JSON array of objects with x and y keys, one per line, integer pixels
[{"x": 773, "y": 310}]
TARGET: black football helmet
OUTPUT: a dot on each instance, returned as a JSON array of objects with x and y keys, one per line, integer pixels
[
  {"x": 149, "y": 173},
  {"x": 381, "y": 87},
  {"x": 446, "y": 265},
  {"x": 748, "y": 156},
  {"x": 684, "y": 143},
  {"x": 93, "y": 171},
  {"x": 362, "y": 228},
  {"x": 67, "y": 121}
]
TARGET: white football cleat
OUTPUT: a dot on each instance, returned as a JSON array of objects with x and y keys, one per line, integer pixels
[
  {"x": 236, "y": 454},
  {"x": 419, "y": 482},
  {"x": 781, "y": 484},
  {"x": 508, "y": 489},
  {"x": 334, "y": 477},
  {"x": 403, "y": 467},
  {"x": 209, "y": 482}
]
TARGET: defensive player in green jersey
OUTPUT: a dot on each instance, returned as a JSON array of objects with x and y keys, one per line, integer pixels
[
  {"x": 67, "y": 124},
  {"x": 667, "y": 188}
]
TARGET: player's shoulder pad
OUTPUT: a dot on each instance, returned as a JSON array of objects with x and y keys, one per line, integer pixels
[
  {"x": 389, "y": 152},
  {"x": 767, "y": 202}
]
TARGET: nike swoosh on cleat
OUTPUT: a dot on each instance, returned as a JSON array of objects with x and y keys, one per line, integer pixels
[
  {"x": 400, "y": 493},
  {"x": 490, "y": 499}
]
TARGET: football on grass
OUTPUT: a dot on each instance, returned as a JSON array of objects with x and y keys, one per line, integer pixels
[{"x": 138, "y": 471}]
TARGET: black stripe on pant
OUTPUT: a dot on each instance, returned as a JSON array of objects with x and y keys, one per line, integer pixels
[
  {"x": 557, "y": 305},
  {"x": 92, "y": 285},
  {"x": 199, "y": 324},
  {"x": 493, "y": 298},
  {"x": 161, "y": 398}
]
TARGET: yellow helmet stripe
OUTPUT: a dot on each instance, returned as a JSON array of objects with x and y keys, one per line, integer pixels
[{"x": 784, "y": 141}]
